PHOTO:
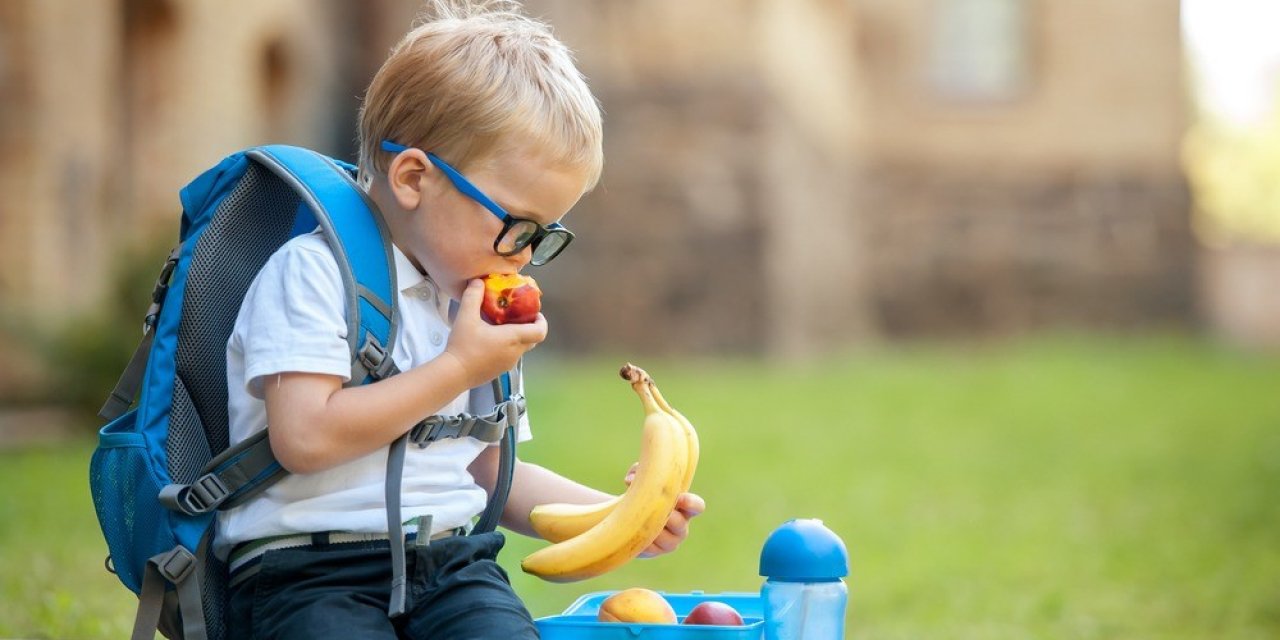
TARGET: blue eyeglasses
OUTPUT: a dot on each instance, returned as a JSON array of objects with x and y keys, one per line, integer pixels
[{"x": 517, "y": 233}]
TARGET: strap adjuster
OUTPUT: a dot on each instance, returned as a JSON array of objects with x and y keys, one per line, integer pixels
[
  {"x": 161, "y": 290},
  {"x": 201, "y": 496},
  {"x": 436, "y": 427},
  {"x": 207, "y": 492},
  {"x": 376, "y": 360},
  {"x": 487, "y": 428},
  {"x": 176, "y": 564},
  {"x": 511, "y": 411}
]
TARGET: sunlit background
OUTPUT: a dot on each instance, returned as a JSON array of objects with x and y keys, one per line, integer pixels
[{"x": 991, "y": 286}]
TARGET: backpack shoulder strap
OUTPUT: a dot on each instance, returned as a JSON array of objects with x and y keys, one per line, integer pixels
[{"x": 360, "y": 243}]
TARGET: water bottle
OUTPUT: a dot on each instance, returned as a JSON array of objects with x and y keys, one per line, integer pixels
[{"x": 804, "y": 593}]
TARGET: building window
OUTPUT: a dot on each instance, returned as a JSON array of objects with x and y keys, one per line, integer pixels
[{"x": 979, "y": 50}]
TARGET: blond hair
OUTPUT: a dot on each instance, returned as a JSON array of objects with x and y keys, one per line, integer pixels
[{"x": 473, "y": 76}]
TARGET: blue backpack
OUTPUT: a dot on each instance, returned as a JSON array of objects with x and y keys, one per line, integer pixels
[{"x": 164, "y": 467}]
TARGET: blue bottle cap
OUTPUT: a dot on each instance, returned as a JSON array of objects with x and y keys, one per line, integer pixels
[{"x": 804, "y": 550}]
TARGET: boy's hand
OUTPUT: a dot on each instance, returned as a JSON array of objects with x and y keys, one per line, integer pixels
[
  {"x": 687, "y": 506},
  {"x": 485, "y": 351}
]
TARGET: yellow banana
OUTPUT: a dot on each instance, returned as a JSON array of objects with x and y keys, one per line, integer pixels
[
  {"x": 641, "y": 512},
  {"x": 689, "y": 432},
  {"x": 556, "y": 522},
  {"x": 559, "y": 521}
]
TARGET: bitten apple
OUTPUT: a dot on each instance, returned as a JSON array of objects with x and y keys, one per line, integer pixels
[
  {"x": 636, "y": 605},
  {"x": 712, "y": 612},
  {"x": 510, "y": 298}
]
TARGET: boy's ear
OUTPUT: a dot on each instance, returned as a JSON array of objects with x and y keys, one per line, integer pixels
[{"x": 406, "y": 177}]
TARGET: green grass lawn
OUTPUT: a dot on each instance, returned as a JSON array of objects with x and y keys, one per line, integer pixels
[{"x": 1064, "y": 488}]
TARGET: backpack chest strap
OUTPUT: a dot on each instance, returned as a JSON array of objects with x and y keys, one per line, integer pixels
[{"x": 486, "y": 428}]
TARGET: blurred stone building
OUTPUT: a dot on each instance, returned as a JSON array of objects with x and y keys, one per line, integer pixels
[
  {"x": 108, "y": 107},
  {"x": 781, "y": 175},
  {"x": 792, "y": 174}
]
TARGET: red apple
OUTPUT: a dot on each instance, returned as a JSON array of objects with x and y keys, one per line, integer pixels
[
  {"x": 711, "y": 612},
  {"x": 510, "y": 298}
]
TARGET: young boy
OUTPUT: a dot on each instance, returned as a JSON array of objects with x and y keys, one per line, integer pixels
[{"x": 479, "y": 96}]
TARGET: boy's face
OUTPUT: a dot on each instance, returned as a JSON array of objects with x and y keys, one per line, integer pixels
[{"x": 451, "y": 236}]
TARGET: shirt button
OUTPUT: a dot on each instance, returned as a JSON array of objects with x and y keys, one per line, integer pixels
[
  {"x": 424, "y": 294},
  {"x": 436, "y": 338}
]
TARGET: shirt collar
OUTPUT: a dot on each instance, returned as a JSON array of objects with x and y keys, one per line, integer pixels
[
  {"x": 414, "y": 283},
  {"x": 407, "y": 276}
]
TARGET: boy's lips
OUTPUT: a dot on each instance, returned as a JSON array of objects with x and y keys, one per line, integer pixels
[{"x": 495, "y": 272}]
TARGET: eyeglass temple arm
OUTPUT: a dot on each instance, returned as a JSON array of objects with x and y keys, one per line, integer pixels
[{"x": 458, "y": 180}]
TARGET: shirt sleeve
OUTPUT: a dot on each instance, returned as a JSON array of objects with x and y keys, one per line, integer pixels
[{"x": 293, "y": 316}]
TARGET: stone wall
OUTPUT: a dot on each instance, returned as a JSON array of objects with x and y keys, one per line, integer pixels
[
  {"x": 782, "y": 176},
  {"x": 963, "y": 253},
  {"x": 667, "y": 258},
  {"x": 111, "y": 106},
  {"x": 723, "y": 215}
]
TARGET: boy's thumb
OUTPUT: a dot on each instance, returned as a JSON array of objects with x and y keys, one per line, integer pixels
[{"x": 472, "y": 295}]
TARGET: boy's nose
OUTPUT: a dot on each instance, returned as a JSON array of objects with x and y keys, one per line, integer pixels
[{"x": 522, "y": 257}]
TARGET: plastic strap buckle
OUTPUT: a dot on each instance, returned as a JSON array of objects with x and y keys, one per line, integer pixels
[
  {"x": 514, "y": 410},
  {"x": 375, "y": 359},
  {"x": 207, "y": 492},
  {"x": 201, "y": 496},
  {"x": 176, "y": 564},
  {"x": 487, "y": 428},
  {"x": 436, "y": 427},
  {"x": 161, "y": 289}
]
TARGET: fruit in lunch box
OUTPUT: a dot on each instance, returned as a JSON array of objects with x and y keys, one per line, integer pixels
[
  {"x": 642, "y": 511},
  {"x": 557, "y": 522},
  {"x": 510, "y": 298},
  {"x": 712, "y": 612},
  {"x": 636, "y": 605}
]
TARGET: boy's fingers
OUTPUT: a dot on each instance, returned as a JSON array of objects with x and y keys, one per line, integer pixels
[
  {"x": 533, "y": 332},
  {"x": 631, "y": 473},
  {"x": 690, "y": 504}
]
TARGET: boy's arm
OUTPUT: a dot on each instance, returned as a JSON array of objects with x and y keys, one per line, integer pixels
[
  {"x": 532, "y": 485},
  {"x": 316, "y": 423}
]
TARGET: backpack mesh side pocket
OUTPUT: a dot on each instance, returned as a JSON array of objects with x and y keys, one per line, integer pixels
[{"x": 124, "y": 487}]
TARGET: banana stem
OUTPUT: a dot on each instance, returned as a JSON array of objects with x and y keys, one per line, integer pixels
[
  {"x": 634, "y": 374},
  {"x": 643, "y": 386}
]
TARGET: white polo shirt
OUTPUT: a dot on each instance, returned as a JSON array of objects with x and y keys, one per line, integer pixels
[{"x": 293, "y": 319}]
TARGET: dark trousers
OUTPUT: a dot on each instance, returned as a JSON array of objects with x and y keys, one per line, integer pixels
[{"x": 456, "y": 591}]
